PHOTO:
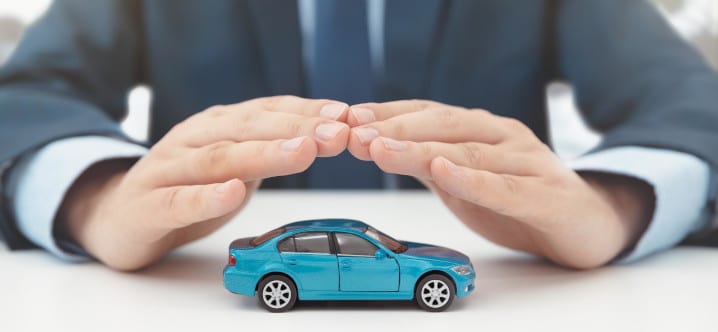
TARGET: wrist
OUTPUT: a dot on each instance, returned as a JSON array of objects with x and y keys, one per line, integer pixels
[
  {"x": 633, "y": 201},
  {"x": 86, "y": 196}
]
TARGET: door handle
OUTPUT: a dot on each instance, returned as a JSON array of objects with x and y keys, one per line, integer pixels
[
  {"x": 346, "y": 265},
  {"x": 292, "y": 261}
]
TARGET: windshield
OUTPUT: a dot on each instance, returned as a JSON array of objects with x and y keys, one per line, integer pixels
[
  {"x": 267, "y": 236},
  {"x": 386, "y": 240}
]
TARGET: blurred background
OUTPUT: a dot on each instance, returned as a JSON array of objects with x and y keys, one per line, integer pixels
[{"x": 695, "y": 20}]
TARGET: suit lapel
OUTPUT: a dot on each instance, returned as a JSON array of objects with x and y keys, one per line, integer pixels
[
  {"x": 279, "y": 38},
  {"x": 412, "y": 29}
]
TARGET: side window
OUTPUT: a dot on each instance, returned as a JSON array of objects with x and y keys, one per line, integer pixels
[
  {"x": 350, "y": 244},
  {"x": 286, "y": 245},
  {"x": 312, "y": 242}
]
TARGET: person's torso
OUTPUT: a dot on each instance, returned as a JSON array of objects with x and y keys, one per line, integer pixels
[{"x": 488, "y": 54}]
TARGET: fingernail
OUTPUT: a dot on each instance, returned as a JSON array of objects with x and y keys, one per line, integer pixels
[
  {"x": 328, "y": 131},
  {"x": 366, "y": 135},
  {"x": 292, "y": 144},
  {"x": 393, "y": 145},
  {"x": 333, "y": 110},
  {"x": 222, "y": 188},
  {"x": 363, "y": 115}
]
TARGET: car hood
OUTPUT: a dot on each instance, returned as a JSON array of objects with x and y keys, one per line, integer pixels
[
  {"x": 428, "y": 251},
  {"x": 241, "y": 243}
]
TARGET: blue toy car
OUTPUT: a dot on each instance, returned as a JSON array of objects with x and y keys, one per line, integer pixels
[{"x": 340, "y": 259}]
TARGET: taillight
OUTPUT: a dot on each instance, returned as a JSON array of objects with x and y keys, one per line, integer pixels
[{"x": 232, "y": 260}]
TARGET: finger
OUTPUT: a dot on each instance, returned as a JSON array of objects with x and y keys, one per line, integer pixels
[
  {"x": 182, "y": 206},
  {"x": 362, "y": 114},
  {"x": 247, "y": 161},
  {"x": 326, "y": 108},
  {"x": 414, "y": 158},
  {"x": 330, "y": 136},
  {"x": 503, "y": 194},
  {"x": 323, "y": 108},
  {"x": 449, "y": 125}
]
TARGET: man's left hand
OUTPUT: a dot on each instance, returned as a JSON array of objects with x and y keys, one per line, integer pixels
[{"x": 503, "y": 182}]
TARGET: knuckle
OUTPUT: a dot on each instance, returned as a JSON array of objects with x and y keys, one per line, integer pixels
[
  {"x": 472, "y": 154},
  {"x": 171, "y": 199},
  {"x": 427, "y": 150},
  {"x": 398, "y": 129},
  {"x": 275, "y": 102},
  {"x": 213, "y": 157},
  {"x": 534, "y": 147},
  {"x": 175, "y": 137},
  {"x": 448, "y": 117},
  {"x": 516, "y": 125},
  {"x": 247, "y": 115},
  {"x": 421, "y": 104},
  {"x": 481, "y": 112},
  {"x": 181, "y": 126},
  {"x": 271, "y": 102},
  {"x": 216, "y": 153},
  {"x": 315, "y": 102},
  {"x": 198, "y": 200},
  {"x": 215, "y": 111},
  {"x": 162, "y": 151},
  {"x": 542, "y": 148},
  {"x": 294, "y": 128},
  {"x": 260, "y": 150},
  {"x": 512, "y": 186}
]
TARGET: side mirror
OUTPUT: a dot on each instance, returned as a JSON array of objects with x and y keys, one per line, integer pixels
[{"x": 380, "y": 254}]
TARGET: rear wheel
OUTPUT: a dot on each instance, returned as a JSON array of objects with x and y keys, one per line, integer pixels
[
  {"x": 277, "y": 293},
  {"x": 435, "y": 292}
]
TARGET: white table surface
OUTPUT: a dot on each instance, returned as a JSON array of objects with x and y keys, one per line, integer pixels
[{"x": 673, "y": 291}]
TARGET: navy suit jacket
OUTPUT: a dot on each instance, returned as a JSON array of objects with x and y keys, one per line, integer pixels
[{"x": 636, "y": 81}]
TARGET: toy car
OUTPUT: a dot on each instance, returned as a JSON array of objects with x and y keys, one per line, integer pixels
[{"x": 340, "y": 259}]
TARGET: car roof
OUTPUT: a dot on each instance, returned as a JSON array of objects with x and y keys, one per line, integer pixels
[{"x": 324, "y": 224}]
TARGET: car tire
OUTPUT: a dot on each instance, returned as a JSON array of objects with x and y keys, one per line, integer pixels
[
  {"x": 277, "y": 293},
  {"x": 435, "y": 292}
]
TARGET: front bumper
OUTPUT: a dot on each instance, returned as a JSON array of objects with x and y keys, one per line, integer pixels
[{"x": 465, "y": 285}]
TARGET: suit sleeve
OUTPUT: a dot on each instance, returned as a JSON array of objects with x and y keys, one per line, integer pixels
[
  {"x": 636, "y": 80},
  {"x": 49, "y": 173},
  {"x": 68, "y": 77}
]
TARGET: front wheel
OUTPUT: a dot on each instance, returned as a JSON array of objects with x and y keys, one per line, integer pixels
[
  {"x": 435, "y": 293},
  {"x": 277, "y": 293}
]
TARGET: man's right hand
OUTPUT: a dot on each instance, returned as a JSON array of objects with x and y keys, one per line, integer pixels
[{"x": 197, "y": 177}]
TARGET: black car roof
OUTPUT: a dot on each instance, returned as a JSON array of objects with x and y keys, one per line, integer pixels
[{"x": 328, "y": 223}]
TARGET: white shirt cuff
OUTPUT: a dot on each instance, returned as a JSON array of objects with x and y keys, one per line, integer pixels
[
  {"x": 679, "y": 180},
  {"x": 45, "y": 177}
]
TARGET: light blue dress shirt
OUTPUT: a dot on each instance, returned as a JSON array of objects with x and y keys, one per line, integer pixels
[{"x": 679, "y": 180}]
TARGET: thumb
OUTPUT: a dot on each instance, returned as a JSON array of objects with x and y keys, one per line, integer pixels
[{"x": 183, "y": 206}]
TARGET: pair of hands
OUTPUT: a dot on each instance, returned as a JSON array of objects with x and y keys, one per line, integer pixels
[{"x": 491, "y": 171}]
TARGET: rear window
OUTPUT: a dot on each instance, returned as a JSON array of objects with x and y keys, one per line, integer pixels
[
  {"x": 286, "y": 245},
  {"x": 312, "y": 242},
  {"x": 267, "y": 236}
]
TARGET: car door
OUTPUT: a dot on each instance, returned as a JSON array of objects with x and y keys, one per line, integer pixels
[
  {"x": 360, "y": 270},
  {"x": 308, "y": 256}
]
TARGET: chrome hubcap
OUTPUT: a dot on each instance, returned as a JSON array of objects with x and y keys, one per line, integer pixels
[
  {"x": 435, "y": 293},
  {"x": 276, "y": 294}
]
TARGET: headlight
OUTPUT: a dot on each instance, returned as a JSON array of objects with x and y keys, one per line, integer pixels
[{"x": 462, "y": 270}]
